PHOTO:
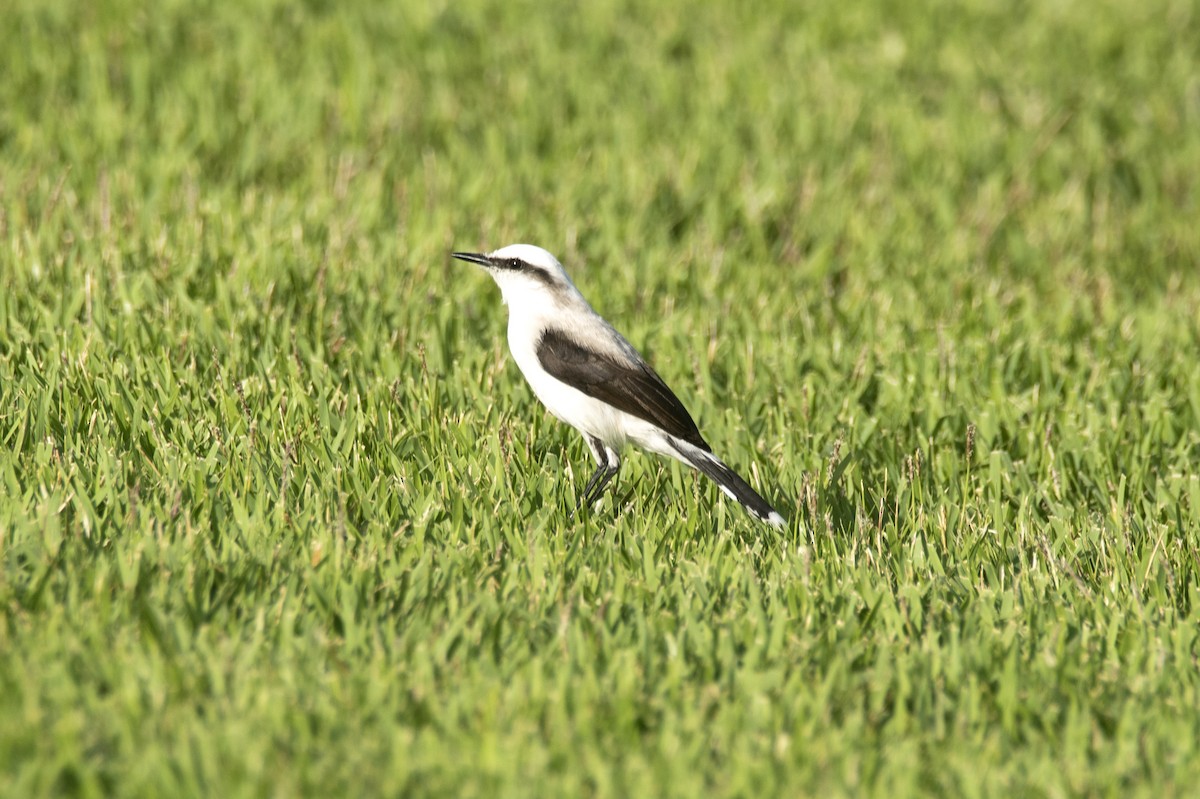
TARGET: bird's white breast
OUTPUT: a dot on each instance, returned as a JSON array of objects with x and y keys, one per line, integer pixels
[{"x": 586, "y": 414}]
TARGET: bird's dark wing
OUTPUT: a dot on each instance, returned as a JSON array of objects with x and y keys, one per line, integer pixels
[{"x": 635, "y": 389}]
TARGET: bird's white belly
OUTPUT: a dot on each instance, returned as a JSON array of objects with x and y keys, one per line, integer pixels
[{"x": 586, "y": 414}]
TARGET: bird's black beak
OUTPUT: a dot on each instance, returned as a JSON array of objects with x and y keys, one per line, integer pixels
[{"x": 473, "y": 257}]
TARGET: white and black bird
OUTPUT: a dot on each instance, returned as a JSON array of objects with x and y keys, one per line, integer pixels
[{"x": 590, "y": 377}]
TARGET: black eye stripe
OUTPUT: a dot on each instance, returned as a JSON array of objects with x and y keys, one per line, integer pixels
[{"x": 524, "y": 267}]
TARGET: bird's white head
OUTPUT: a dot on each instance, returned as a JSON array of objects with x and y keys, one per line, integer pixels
[{"x": 528, "y": 276}]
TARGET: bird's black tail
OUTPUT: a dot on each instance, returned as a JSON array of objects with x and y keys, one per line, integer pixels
[{"x": 730, "y": 483}]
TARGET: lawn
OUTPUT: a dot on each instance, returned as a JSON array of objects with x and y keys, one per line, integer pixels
[{"x": 280, "y": 517}]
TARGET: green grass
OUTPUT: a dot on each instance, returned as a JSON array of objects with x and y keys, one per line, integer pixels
[{"x": 278, "y": 515}]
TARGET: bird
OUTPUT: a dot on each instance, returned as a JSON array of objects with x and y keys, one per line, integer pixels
[{"x": 590, "y": 377}]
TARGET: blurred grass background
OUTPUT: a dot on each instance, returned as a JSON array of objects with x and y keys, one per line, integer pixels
[{"x": 278, "y": 517}]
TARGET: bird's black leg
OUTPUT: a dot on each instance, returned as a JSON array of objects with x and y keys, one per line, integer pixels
[
  {"x": 606, "y": 469},
  {"x": 610, "y": 471},
  {"x": 593, "y": 484}
]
